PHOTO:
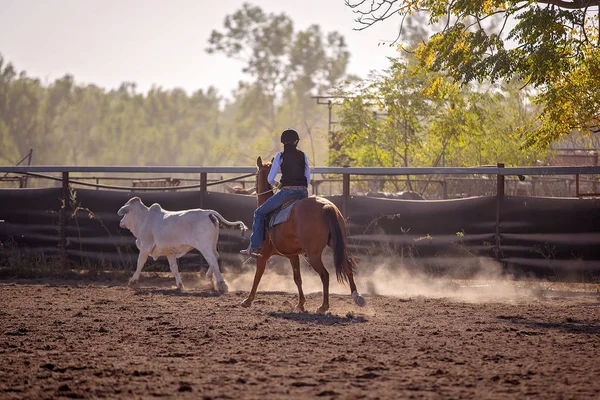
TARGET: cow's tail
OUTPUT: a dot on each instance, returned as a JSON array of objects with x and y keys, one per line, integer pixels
[
  {"x": 344, "y": 265},
  {"x": 222, "y": 220}
]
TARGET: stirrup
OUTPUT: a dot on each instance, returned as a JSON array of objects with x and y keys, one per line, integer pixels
[{"x": 251, "y": 253}]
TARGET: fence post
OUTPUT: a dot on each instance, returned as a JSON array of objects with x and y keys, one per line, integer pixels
[
  {"x": 345, "y": 194},
  {"x": 445, "y": 188},
  {"x": 203, "y": 186},
  {"x": 499, "y": 197},
  {"x": 595, "y": 186},
  {"x": 62, "y": 220}
]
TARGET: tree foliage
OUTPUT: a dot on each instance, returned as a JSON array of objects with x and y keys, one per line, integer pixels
[
  {"x": 408, "y": 117},
  {"x": 285, "y": 67},
  {"x": 68, "y": 123},
  {"x": 421, "y": 118},
  {"x": 552, "y": 46}
]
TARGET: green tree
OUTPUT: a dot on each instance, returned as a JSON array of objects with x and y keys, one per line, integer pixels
[
  {"x": 20, "y": 98},
  {"x": 407, "y": 117},
  {"x": 553, "y": 46},
  {"x": 285, "y": 67}
]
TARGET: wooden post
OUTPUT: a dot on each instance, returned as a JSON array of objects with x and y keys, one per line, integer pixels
[
  {"x": 445, "y": 188},
  {"x": 576, "y": 185},
  {"x": 203, "y": 188},
  {"x": 345, "y": 194},
  {"x": 594, "y": 184},
  {"x": 62, "y": 220},
  {"x": 499, "y": 197}
]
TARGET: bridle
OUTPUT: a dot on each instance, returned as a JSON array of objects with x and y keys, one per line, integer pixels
[{"x": 256, "y": 187}]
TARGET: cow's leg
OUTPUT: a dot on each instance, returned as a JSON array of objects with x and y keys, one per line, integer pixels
[
  {"x": 209, "y": 271},
  {"x": 215, "y": 240},
  {"x": 142, "y": 257},
  {"x": 175, "y": 270},
  {"x": 211, "y": 259}
]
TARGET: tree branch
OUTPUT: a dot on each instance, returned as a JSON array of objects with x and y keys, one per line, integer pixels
[{"x": 571, "y": 5}]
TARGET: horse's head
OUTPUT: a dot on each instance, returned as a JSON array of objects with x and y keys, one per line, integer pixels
[{"x": 263, "y": 186}]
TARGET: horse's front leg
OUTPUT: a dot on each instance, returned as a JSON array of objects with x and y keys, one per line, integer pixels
[
  {"x": 295, "y": 262},
  {"x": 261, "y": 264}
]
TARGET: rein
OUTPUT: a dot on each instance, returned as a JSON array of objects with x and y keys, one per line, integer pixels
[{"x": 260, "y": 194}]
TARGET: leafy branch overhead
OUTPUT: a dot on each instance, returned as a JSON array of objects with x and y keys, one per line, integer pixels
[{"x": 552, "y": 46}]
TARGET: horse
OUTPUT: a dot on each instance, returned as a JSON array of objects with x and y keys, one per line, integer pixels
[{"x": 314, "y": 223}]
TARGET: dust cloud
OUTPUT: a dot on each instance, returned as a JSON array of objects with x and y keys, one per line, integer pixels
[{"x": 378, "y": 276}]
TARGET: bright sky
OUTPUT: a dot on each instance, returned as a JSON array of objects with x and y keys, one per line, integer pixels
[{"x": 158, "y": 42}]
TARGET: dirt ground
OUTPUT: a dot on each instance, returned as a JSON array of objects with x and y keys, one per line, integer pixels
[{"x": 105, "y": 340}]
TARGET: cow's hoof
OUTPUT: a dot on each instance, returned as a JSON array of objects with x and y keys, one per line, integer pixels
[
  {"x": 246, "y": 303},
  {"x": 222, "y": 287}
]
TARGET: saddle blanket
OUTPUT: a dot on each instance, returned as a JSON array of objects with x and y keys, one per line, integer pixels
[{"x": 282, "y": 214}]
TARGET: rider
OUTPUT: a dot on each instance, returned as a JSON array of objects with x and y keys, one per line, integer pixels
[{"x": 295, "y": 177}]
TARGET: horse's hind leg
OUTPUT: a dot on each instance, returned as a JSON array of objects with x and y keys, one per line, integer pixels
[
  {"x": 261, "y": 263},
  {"x": 358, "y": 299},
  {"x": 295, "y": 261},
  {"x": 317, "y": 264}
]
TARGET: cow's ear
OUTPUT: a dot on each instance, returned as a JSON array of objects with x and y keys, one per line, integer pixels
[{"x": 259, "y": 162}]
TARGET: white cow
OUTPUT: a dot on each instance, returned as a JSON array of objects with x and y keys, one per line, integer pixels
[{"x": 172, "y": 234}]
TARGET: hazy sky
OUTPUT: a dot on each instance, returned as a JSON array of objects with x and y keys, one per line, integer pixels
[{"x": 158, "y": 42}]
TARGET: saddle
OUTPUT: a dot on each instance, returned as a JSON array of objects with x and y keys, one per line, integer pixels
[{"x": 282, "y": 214}]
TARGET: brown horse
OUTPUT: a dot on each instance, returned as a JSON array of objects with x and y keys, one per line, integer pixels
[{"x": 314, "y": 223}]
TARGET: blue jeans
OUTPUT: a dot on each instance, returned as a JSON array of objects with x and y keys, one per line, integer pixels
[{"x": 260, "y": 215}]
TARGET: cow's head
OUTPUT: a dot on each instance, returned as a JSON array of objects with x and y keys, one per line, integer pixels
[{"x": 128, "y": 212}]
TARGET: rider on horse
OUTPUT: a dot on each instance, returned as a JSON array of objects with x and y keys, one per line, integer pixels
[{"x": 295, "y": 177}]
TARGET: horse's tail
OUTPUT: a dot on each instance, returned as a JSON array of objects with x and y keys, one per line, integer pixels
[
  {"x": 344, "y": 266},
  {"x": 242, "y": 226}
]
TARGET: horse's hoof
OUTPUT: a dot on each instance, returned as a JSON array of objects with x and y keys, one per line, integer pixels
[
  {"x": 359, "y": 300},
  {"x": 180, "y": 288},
  {"x": 246, "y": 303},
  {"x": 321, "y": 310},
  {"x": 132, "y": 282},
  {"x": 222, "y": 287},
  {"x": 300, "y": 308}
]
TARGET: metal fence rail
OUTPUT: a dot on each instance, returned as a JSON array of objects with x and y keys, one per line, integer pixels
[{"x": 491, "y": 170}]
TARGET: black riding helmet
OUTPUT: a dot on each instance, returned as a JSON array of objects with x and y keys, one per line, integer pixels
[{"x": 289, "y": 136}]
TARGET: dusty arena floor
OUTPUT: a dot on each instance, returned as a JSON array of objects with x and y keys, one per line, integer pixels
[{"x": 439, "y": 340}]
